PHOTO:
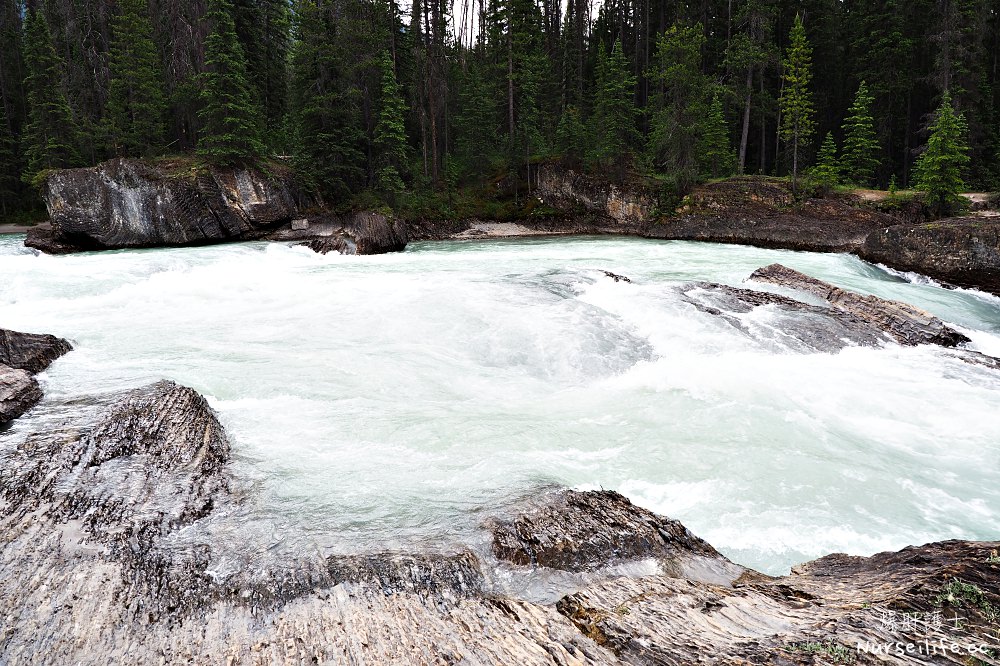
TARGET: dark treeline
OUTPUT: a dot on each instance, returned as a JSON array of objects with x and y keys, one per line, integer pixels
[{"x": 369, "y": 96}]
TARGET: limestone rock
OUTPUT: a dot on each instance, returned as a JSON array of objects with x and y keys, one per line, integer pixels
[{"x": 19, "y": 392}]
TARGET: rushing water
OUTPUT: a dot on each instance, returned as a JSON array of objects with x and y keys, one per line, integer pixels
[{"x": 395, "y": 400}]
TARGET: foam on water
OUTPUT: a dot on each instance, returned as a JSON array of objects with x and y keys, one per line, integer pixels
[{"x": 393, "y": 401}]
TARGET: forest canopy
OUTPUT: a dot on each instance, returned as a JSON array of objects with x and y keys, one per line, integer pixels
[{"x": 369, "y": 96}]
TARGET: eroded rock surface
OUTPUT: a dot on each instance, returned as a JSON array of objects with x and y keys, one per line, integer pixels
[
  {"x": 130, "y": 203},
  {"x": 963, "y": 252},
  {"x": 907, "y": 324},
  {"x": 19, "y": 392},
  {"x": 624, "y": 205},
  {"x": 123, "y": 540},
  {"x": 357, "y": 233},
  {"x": 30, "y": 351}
]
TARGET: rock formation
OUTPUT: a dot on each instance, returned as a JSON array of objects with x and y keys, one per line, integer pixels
[
  {"x": 626, "y": 206},
  {"x": 906, "y": 324},
  {"x": 128, "y": 203},
  {"x": 963, "y": 251},
  {"x": 22, "y": 355},
  {"x": 122, "y": 539}
]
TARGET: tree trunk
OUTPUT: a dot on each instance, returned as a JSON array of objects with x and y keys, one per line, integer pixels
[{"x": 745, "y": 136}]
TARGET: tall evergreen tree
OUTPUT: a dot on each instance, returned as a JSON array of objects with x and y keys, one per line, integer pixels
[
  {"x": 613, "y": 124},
  {"x": 9, "y": 165},
  {"x": 796, "y": 102},
  {"x": 939, "y": 169},
  {"x": 134, "y": 117},
  {"x": 860, "y": 156},
  {"x": 826, "y": 173},
  {"x": 715, "y": 156},
  {"x": 263, "y": 29},
  {"x": 50, "y": 136},
  {"x": 681, "y": 103},
  {"x": 571, "y": 137},
  {"x": 231, "y": 131},
  {"x": 390, "y": 131},
  {"x": 328, "y": 137}
]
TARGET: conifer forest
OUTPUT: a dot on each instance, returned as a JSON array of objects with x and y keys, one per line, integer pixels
[{"x": 373, "y": 98}]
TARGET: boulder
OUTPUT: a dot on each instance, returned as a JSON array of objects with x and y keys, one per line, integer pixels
[
  {"x": 30, "y": 351},
  {"x": 19, "y": 392},
  {"x": 906, "y": 324},
  {"x": 355, "y": 233},
  {"x": 128, "y": 203},
  {"x": 964, "y": 252},
  {"x": 625, "y": 205}
]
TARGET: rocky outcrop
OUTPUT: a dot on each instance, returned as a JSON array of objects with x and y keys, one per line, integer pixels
[
  {"x": 356, "y": 233},
  {"x": 763, "y": 212},
  {"x": 124, "y": 539},
  {"x": 127, "y": 203},
  {"x": 19, "y": 392},
  {"x": 30, "y": 351},
  {"x": 624, "y": 205},
  {"x": 963, "y": 252},
  {"x": 905, "y": 323}
]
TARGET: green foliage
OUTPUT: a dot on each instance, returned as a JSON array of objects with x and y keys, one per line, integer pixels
[
  {"x": 960, "y": 594},
  {"x": 327, "y": 133},
  {"x": 893, "y": 188},
  {"x": 796, "y": 103},
  {"x": 939, "y": 169},
  {"x": 230, "y": 116},
  {"x": 390, "y": 131},
  {"x": 681, "y": 104},
  {"x": 133, "y": 122},
  {"x": 826, "y": 173},
  {"x": 571, "y": 136},
  {"x": 835, "y": 652},
  {"x": 715, "y": 156},
  {"x": 9, "y": 164},
  {"x": 51, "y": 138},
  {"x": 476, "y": 134},
  {"x": 263, "y": 29},
  {"x": 859, "y": 159},
  {"x": 613, "y": 125}
]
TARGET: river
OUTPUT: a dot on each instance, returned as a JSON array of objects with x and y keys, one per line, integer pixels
[{"x": 394, "y": 401}]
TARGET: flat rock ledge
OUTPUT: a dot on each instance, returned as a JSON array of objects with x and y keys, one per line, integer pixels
[{"x": 122, "y": 540}]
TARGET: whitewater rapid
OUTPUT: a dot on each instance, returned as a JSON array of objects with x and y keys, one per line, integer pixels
[{"x": 394, "y": 401}]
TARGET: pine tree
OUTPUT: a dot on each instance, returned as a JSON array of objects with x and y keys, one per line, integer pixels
[
  {"x": 390, "y": 131},
  {"x": 613, "y": 124},
  {"x": 9, "y": 164},
  {"x": 826, "y": 173},
  {"x": 263, "y": 30},
  {"x": 715, "y": 156},
  {"x": 859, "y": 159},
  {"x": 230, "y": 116},
  {"x": 477, "y": 121},
  {"x": 571, "y": 137},
  {"x": 50, "y": 137},
  {"x": 133, "y": 121},
  {"x": 796, "y": 100},
  {"x": 328, "y": 137},
  {"x": 680, "y": 105},
  {"x": 939, "y": 169}
]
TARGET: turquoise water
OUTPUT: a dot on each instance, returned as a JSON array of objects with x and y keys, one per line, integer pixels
[{"x": 396, "y": 400}]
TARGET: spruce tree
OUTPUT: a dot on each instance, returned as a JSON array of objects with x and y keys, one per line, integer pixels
[
  {"x": 715, "y": 156},
  {"x": 390, "y": 131},
  {"x": 613, "y": 124},
  {"x": 50, "y": 138},
  {"x": 571, "y": 137},
  {"x": 230, "y": 117},
  {"x": 860, "y": 155},
  {"x": 826, "y": 173},
  {"x": 680, "y": 104},
  {"x": 9, "y": 164},
  {"x": 133, "y": 122},
  {"x": 328, "y": 137},
  {"x": 796, "y": 103},
  {"x": 939, "y": 169}
]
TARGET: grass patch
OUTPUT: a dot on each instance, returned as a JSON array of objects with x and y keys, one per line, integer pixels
[
  {"x": 837, "y": 653},
  {"x": 966, "y": 595}
]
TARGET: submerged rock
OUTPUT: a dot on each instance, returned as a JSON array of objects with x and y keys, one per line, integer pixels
[
  {"x": 130, "y": 203},
  {"x": 907, "y": 324},
  {"x": 19, "y": 392},
  {"x": 963, "y": 252},
  {"x": 30, "y": 351}
]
